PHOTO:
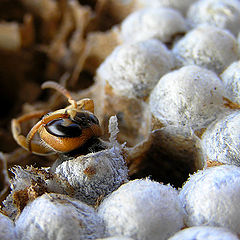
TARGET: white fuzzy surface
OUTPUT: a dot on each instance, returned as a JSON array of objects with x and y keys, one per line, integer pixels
[
  {"x": 181, "y": 5},
  {"x": 58, "y": 217},
  {"x": 132, "y": 70},
  {"x": 238, "y": 42},
  {"x": 211, "y": 198},
  {"x": 222, "y": 13},
  {"x": 161, "y": 23},
  {"x": 142, "y": 209},
  {"x": 116, "y": 238},
  {"x": 231, "y": 81},
  {"x": 7, "y": 229},
  {"x": 190, "y": 96},
  {"x": 204, "y": 233},
  {"x": 221, "y": 140},
  {"x": 207, "y": 46},
  {"x": 107, "y": 171}
]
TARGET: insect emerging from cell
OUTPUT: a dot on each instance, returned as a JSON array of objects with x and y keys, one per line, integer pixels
[{"x": 62, "y": 131}]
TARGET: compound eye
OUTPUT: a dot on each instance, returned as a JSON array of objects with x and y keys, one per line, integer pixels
[
  {"x": 85, "y": 119},
  {"x": 63, "y": 128},
  {"x": 93, "y": 119}
]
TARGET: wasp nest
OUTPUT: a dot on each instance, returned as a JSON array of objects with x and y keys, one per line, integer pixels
[
  {"x": 180, "y": 6},
  {"x": 221, "y": 140},
  {"x": 210, "y": 197},
  {"x": 120, "y": 9},
  {"x": 94, "y": 175},
  {"x": 153, "y": 88},
  {"x": 230, "y": 78},
  {"x": 201, "y": 98},
  {"x": 56, "y": 216},
  {"x": 204, "y": 232},
  {"x": 132, "y": 70},
  {"x": 125, "y": 79},
  {"x": 7, "y": 228},
  {"x": 221, "y": 48},
  {"x": 164, "y": 24},
  {"x": 159, "y": 205},
  {"x": 224, "y": 14},
  {"x": 116, "y": 238}
]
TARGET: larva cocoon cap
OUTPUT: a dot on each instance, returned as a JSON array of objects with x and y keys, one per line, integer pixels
[
  {"x": 223, "y": 13},
  {"x": 161, "y": 23},
  {"x": 207, "y": 46},
  {"x": 204, "y": 233},
  {"x": 190, "y": 96},
  {"x": 116, "y": 238},
  {"x": 221, "y": 140},
  {"x": 56, "y": 216},
  {"x": 211, "y": 197},
  {"x": 28, "y": 184},
  {"x": 231, "y": 81},
  {"x": 7, "y": 228},
  {"x": 94, "y": 175},
  {"x": 142, "y": 209},
  {"x": 132, "y": 70},
  {"x": 182, "y": 5},
  {"x": 238, "y": 42}
]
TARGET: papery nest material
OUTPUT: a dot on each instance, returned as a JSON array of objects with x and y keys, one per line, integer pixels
[
  {"x": 71, "y": 45},
  {"x": 14, "y": 36},
  {"x": 168, "y": 155},
  {"x": 66, "y": 218},
  {"x": 4, "y": 178}
]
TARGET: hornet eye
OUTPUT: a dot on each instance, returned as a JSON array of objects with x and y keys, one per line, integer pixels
[
  {"x": 64, "y": 128},
  {"x": 85, "y": 120},
  {"x": 93, "y": 119}
]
